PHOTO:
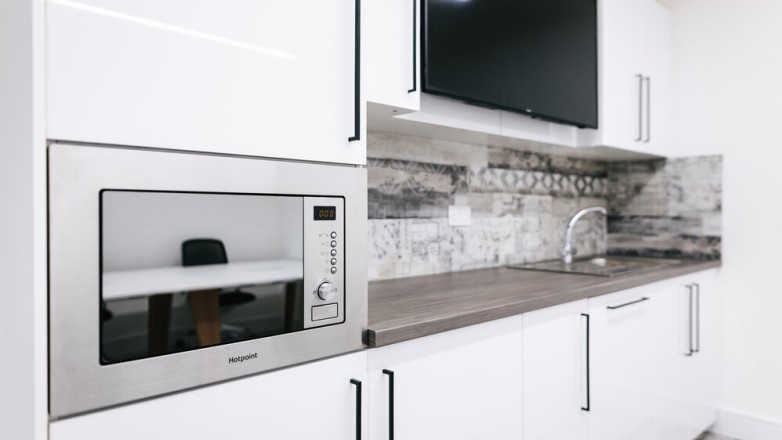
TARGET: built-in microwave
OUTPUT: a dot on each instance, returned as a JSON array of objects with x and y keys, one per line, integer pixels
[{"x": 171, "y": 270}]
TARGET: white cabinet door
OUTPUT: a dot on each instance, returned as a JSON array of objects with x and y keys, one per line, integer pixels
[
  {"x": 271, "y": 79},
  {"x": 312, "y": 401},
  {"x": 635, "y": 75},
  {"x": 554, "y": 372},
  {"x": 623, "y": 373},
  {"x": 463, "y": 384},
  {"x": 393, "y": 58},
  {"x": 688, "y": 354},
  {"x": 674, "y": 316}
]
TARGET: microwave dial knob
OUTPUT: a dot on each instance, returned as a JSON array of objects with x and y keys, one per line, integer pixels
[{"x": 326, "y": 290}]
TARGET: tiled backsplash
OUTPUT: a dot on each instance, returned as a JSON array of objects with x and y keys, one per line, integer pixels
[
  {"x": 521, "y": 203},
  {"x": 667, "y": 208}
]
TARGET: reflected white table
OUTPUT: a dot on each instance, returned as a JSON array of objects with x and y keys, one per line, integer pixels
[
  {"x": 143, "y": 282},
  {"x": 203, "y": 284}
]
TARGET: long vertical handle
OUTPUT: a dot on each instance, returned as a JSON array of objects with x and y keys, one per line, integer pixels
[
  {"x": 697, "y": 348},
  {"x": 415, "y": 50},
  {"x": 357, "y": 78},
  {"x": 648, "y": 109},
  {"x": 640, "y": 107},
  {"x": 390, "y": 375},
  {"x": 690, "y": 350},
  {"x": 588, "y": 405},
  {"x": 357, "y": 383}
]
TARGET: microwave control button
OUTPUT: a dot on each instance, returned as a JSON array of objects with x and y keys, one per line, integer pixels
[
  {"x": 333, "y": 270},
  {"x": 333, "y": 261},
  {"x": 333, "y": 243},
  {"x": 333, "y": 252},
  {"x": 333, "y": 235},
  {"x": 326, "y": 290}
]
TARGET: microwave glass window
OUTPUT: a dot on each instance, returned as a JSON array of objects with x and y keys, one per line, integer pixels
[{"x": 181, "y": 271}]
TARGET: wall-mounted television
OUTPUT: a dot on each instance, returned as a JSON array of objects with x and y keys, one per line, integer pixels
[{"x": 536, "y": 57}]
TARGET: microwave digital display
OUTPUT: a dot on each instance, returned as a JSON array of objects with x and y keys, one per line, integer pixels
[{"x": 325, "y": 212}]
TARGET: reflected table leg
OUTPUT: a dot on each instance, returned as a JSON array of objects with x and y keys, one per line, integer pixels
[
  {"x": 158, "y": 323},
  {"x": 205, "y": 307}
]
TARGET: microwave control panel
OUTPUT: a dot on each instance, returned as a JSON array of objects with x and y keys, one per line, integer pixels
[{"x": 324, "y": 261}]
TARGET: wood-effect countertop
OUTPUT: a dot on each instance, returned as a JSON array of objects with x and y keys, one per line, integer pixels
[{"x": 408, "y": 308}]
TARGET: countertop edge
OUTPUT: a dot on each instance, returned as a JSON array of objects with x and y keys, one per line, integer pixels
[{"x": 380, "y": 336}]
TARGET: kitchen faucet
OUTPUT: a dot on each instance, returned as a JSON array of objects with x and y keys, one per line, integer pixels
[{"x": 568, "y": 251}]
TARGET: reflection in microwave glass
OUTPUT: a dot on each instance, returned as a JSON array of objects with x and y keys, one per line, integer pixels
[{"x": 145, "y": 326}]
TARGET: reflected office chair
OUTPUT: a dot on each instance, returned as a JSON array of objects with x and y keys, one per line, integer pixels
[{"x": 201, "y": 251}]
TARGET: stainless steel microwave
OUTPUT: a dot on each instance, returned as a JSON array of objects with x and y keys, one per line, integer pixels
[{"x": 172, "y": 270}]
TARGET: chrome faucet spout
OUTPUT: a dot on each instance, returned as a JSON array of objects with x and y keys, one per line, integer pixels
[{"x": 568, "y": 251}]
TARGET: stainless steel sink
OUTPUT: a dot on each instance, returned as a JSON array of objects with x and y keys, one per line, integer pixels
[{"x": 606, "y": 266}]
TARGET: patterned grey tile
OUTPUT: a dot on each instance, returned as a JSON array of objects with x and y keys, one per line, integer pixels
[
  {"x": 521, "y": 203},
  {"x": 409, "y": 189}
]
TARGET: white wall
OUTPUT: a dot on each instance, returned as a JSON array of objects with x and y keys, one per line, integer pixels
[
  {"x": 23, "y": 362},
  {"x": 729, "y": 98},
  {"x": 143, "y": 230}
]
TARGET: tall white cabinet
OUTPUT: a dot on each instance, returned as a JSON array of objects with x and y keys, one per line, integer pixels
[{"x": 271, "y": 79}]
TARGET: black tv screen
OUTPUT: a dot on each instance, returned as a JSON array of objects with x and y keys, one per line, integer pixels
[{"x": 537, "y": 57}]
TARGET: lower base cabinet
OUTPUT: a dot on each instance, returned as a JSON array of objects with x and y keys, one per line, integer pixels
[
  {"x": 637, "y": 364},
  {"x": 464, "y": 384},
  {"x": 555, "y": 388},
  {"x": 312, "y": 401}
]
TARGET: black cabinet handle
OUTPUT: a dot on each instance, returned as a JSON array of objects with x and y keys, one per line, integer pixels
[
  {"x": 357, "y": 78},
  {"x": 640, "y": 107},
  {"x": 415, "y": 52},
  {"x": 689, "y": 320},
  {"x": 390, "y": 375},
  {"x": 697, "y": 348},
  {"x": 628, "y": 303},
  {"x": 588, "y": 405},
  {"x": 357, "y": 383},
  {"x": 648, "y": 109}
]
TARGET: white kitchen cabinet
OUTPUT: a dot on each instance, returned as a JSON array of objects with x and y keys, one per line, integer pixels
[
  {"x": 623, "y": 373},
  {"x": 688, "y": 350},
  {"x": 393, "y": 58},
  {"x": 462, "y": 384},
  {"x": 554, "y": 373},
  {"x": 636, "y": 76},
  {"x": 316, "y": 400},
  {"x": 271, "y": 79}
]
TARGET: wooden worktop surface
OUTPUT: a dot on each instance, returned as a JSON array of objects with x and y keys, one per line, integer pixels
[{"x": 408, "y": 308}]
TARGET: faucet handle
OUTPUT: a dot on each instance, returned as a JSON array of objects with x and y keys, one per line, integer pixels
[{"x": 567, "y": 253}]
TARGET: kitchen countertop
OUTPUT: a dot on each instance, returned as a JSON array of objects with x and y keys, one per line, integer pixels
[{"x": 407, "y": 308}]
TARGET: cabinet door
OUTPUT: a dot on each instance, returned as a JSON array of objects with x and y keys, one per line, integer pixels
[
  {"x": 554, "y": 370},
  {"x": 623, "y": 374},
  {"x": 688, "y": 356},
  {"x": 392, "y": 54},
  {"x": 674, "y": 316},
  {"x": 273, "y": 79},
  {"x": 463, "y": 384},
  {"x": 704, "y": 374},
  {"x": 635, "y": 75},
  {"x": 316, "y": 400}
]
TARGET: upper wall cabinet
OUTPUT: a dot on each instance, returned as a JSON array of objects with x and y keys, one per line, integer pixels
[
  {"x": 393, "y": 58},
  {"x": 636, "y": 72},
  {"x": 269, "y": 79}
]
